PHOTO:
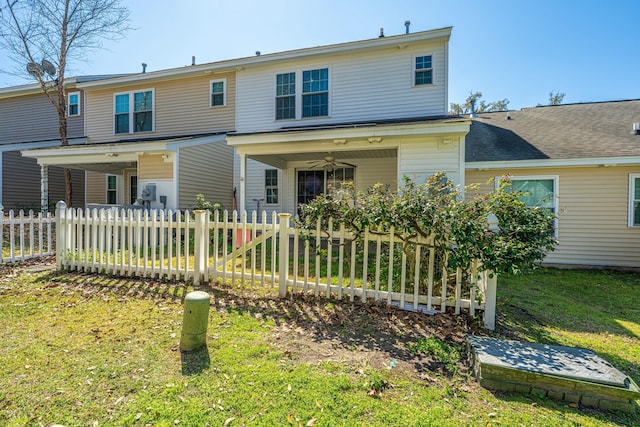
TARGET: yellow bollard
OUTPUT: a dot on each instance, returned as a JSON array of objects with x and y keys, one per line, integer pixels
[{"x": 195, "y": 320}]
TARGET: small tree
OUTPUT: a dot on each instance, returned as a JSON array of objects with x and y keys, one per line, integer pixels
[
  {"x": 479, "y": 105},
  {"x": 42, "y": 36},
  {"x": 556, "y": 98},
  {"x": 459, "y": 227}
]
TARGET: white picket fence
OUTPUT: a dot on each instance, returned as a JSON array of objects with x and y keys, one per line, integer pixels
[
  {"x": 267, "y": 252},
  {"x": 25, "y": 236}
]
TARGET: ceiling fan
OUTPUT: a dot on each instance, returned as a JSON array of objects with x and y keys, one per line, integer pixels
[{"x": 329, "y": 163}]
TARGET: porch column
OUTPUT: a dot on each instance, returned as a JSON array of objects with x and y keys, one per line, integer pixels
[
  {"x": 44, "y": 188},
  {"x": 243, "y": 182}
]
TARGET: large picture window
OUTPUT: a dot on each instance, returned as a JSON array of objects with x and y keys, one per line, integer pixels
[
  {"x": 302, "y": 94},
  {"x": 133, "y": 112},
  {"x": 540, "y": 191},
  {"x": 312, "y": 183}
]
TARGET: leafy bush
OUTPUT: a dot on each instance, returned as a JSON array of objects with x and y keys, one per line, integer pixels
[
  {"x": 202, "y": 204},
  {"x": 458, "y": 226}
]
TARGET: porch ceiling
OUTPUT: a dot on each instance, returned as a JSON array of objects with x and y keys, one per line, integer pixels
[
  {"x": 113, "y": 168},
  {"x": 278, "y": 159}
]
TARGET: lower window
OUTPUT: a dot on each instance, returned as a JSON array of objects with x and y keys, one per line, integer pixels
[
  {"x": 634, "y": 200},
  {"x": 112, "y": 189},
  {"x": 312, "y": 183}
]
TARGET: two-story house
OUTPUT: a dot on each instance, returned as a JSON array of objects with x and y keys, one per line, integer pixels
[
  {"x": 158, "y": 137},
  {"x": 28, "y": 121},
  {"x": 366, "y": 112}
]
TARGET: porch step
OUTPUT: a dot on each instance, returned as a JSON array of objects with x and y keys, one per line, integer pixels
[{"x": 576, "y": 375}]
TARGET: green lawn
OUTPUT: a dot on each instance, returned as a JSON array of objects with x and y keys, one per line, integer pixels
[{"x": 88, "y": 350}]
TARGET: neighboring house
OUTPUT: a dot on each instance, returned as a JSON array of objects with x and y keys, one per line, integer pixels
[
  {"x": 27, "y": 121},
  {"x": 366, "y": 112},
  {"x": 581, "y": 161},
  {"x": 157, "y": 136}
]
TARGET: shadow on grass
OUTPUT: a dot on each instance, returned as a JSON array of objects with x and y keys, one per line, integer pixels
[
  {"x": 94, "y": 283},
  {"x": 194, "y": 362}
]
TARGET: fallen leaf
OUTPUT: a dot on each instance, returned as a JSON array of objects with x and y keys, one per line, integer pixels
[
  {"x": 228, "y": 421},
  {"x": 289, "y": 387},
  {"x": 312, "y": 422}
]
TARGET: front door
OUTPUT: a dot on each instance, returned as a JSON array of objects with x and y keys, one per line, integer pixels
[{"x": 310, "y": 185}]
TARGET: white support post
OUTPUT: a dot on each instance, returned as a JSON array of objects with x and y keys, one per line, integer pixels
[
  {"x": 491, "y": 288},
  {"x": 243, "y": 182},
  {"x": 199, "y": 250},
  {"x": 61, "y": 233},
  {"x": 44, "y": 188},
  {"x": 283, "y": 252}
]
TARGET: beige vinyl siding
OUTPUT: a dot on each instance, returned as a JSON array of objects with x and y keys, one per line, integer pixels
[
  {"x": 153, "y": 166},
  {"x": 362, "y": 86},
  {"x": 181, "y": 107},
  {"x": 33, "y": 118},
  {"x": 592, "y": 217},
  {"x": 206, "y": 169},
  {"x": 422, "y": 158},
  {"x": 96, "y": 187},
  {"x": 21, "y": 183}
]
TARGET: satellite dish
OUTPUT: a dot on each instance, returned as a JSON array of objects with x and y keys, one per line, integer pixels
[
  {"x": 48, "y": 67},
  {"x": 33, "y": 69}
]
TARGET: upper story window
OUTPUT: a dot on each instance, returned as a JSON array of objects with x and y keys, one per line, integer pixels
[
  {"x": 134, "y": 112},
  {"x": 634, "y": 200},
  {"x": 424, "y": 70},
  {"x": 218, "y": 93},
  {"x": 73, "y": 106},
  {"x": 302, "y": 94},
  {"x": 271, "y": 186},
  {"x": 315, "y": 93},
  {"x": 286, "y": 96}
]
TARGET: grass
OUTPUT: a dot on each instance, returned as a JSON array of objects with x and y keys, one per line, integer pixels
[{"x": 94, "y": 350}]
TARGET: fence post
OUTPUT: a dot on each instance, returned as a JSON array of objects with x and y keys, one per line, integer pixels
[
  {"x": 60, "y": 233},
  {"x": 199, "y": 252},
  {"x": 283, "y": 252},
  {"x": 491, "y": 287}
]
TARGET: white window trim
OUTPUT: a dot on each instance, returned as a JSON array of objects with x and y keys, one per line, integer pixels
[
  {"x": 433, "y": 69},
  {"x": 131, "y": 112},
  {"x": 277, "y": 187},
  {"x": 107, "y": 189},
  {"x": 632, "y": 178},
  {"x": 224, "y": 92},
  {"x": 298, "y": 72},
  {"x": 69, "y": 104},
  {"x": 556, "y": 193}
]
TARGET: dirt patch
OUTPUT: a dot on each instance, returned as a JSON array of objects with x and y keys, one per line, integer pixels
[{"x": 308, "y": 329}]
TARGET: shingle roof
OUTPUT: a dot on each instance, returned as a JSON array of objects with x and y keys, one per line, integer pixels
[{"x": 599, "y": 129}]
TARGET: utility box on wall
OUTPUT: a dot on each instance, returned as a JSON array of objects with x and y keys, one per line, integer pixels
[{"x": 149, "y": 193}]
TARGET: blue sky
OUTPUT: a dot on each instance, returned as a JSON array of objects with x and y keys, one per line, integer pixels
[{"x": 517, "y": 49}]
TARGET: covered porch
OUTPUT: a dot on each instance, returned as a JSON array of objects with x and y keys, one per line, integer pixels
[
  {"x": 145, "y": 172},
  {"x": 282, "y": 169}
]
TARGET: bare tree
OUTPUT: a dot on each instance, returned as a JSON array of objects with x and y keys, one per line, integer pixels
[
  {"x": 556, "y": 98},
  {"x": 42, "y": 36},
  {"x": 479, "y": 105}
]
